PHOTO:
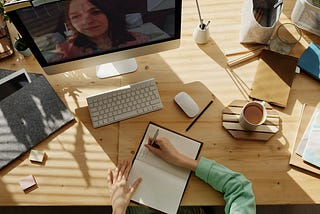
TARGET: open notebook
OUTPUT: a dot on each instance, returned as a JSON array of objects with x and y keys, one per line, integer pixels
[{"x": 163, "y": 184}]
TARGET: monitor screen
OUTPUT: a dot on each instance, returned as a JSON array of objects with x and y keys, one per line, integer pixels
[{"x": 71, "y": 34}]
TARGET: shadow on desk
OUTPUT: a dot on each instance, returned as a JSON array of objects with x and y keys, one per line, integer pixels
[
  {"x": 214, "y": 52},
  {"x": 106, "y": 136}
]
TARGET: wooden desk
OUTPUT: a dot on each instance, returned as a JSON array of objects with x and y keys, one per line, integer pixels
[{"x": 78, "y": 155}]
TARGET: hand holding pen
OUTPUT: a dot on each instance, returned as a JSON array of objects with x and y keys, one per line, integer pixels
[
  {"x": 152, "y": 142},
  {"x": 165, "y": 150},
  {"x": 169, "y": 153}
]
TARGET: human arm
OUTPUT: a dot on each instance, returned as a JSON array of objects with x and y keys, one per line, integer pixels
[
  {"x": 236, "y": 188},
  {"x": 120, "y": 194}
]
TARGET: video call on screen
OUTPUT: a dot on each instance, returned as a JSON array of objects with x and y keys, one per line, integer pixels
[{"x": 146, "y": 21}]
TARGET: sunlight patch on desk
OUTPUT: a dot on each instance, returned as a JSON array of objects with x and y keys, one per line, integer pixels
[
  {"x": 64, "y": 183},
  {"x": 77, "y": 139},
  {"x": 307, "y": 182}
]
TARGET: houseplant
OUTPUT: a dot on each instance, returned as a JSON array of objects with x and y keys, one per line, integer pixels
[
  {"x": 316, "y": 3},
  {"x": 2, "y": 12},
  {"x": 19, "y": 44},
  {"x": 5, "y": 40}
]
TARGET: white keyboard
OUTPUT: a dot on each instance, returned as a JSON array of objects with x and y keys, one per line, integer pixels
[{"x": 124, "y": 102}]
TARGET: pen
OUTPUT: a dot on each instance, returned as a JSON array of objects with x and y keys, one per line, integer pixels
[
  {"x": 207, "y": 25},
  {"x": 199, "y": 115},
  {"x": 277, "y": 4},
  {"x": 154, "y": 138}
]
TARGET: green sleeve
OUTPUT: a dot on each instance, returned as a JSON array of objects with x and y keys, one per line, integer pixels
[{"x": 236, "y": 188}]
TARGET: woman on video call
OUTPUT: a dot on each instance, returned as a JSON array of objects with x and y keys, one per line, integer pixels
[{"x": 96, "y": 26}]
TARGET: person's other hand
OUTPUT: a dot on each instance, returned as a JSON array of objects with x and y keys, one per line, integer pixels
[{"x": 120, "y": 194}]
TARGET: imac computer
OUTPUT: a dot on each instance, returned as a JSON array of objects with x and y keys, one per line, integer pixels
[{"x": 66, "y": 35}]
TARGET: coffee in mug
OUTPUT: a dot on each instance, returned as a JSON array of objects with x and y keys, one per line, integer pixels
[{"x": 252, "y": 115}]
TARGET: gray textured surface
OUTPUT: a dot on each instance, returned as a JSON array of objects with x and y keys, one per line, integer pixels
[{"x": 29, "y": 116}]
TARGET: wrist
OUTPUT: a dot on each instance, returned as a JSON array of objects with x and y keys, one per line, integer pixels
[
  {"x": 187, "y": 162},
  {"x": 118, "y": 210}
]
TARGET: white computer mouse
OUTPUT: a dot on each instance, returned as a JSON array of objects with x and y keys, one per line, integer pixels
[{"x": 187, "y": 104}]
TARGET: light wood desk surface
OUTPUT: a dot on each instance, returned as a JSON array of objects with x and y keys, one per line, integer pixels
[{"x": 78, "y": 155}]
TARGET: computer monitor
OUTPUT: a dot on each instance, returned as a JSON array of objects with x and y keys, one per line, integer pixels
[{"x": 66, "y": 35}]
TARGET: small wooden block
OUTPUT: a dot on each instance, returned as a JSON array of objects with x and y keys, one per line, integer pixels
[
  {"x": 230, "y": 121},
  {"x": 36, "y": 155},
  {"x": 27, "y": 182},
  {"x": 250, "y": 135},
  {"x": 261, "y": 128}
]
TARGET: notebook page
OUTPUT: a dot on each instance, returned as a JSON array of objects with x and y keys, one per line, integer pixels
[
  {"x": 162, "y": 183},
  {"x": 158, "y": 189}
]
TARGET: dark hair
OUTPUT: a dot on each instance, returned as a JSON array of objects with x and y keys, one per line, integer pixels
[{"x": 117, "y": 25}]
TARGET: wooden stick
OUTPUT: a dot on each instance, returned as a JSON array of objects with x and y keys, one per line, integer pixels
[
  {"x": 244, "y": 58},
  {"x": 239, "y": 51}
]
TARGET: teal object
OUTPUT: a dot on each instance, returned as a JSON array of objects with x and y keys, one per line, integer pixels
[{"x": 309, "y": 61}]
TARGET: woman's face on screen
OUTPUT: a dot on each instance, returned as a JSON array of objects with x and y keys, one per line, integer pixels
[{"x": 87, "y": 18}]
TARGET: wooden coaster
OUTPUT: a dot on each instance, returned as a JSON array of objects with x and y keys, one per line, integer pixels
[{"x": 230, "y": 121}]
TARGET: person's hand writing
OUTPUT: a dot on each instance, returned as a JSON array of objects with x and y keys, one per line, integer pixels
[
  {"x": 120, "y": 194},
  {"x": 169, "y": 153},
  {"x": 164, "y": 149}
]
